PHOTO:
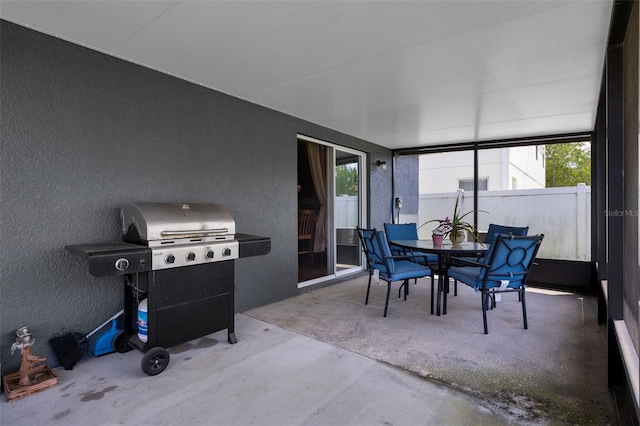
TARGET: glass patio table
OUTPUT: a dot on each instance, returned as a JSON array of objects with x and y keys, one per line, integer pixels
[{"x": 444, "y": 252}]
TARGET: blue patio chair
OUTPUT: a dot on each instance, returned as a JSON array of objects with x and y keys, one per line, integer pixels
[
  {"x": 505, "y": 268},
  {"x": 391, "y": 268},
  {"x": 494, "y": 230},
  {"x": 408, "y": 231}
]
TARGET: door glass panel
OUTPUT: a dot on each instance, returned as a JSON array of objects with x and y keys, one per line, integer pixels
[
  {"x": 313, "y": 259},
  {"x": 347, "y": 210}
]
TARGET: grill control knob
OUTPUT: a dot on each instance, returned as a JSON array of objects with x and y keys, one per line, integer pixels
[
  {"x": 191, "y": 256},
  {"x": 209, "y": 254},
  {"x": 169, "y": 258},
  {"x": 122, "y": 264},
  {"x": 226, "y": 252}
]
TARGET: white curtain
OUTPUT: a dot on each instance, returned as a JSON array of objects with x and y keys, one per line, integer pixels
[{"x": 317, "y": 161}]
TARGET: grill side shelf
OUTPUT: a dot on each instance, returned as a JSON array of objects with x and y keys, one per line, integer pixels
[
  {"x": 111, "y": 259},
  {"x": 253, "y": 245}
]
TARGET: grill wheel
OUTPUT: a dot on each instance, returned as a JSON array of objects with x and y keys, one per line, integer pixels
[{"x": 154, "y": 361}]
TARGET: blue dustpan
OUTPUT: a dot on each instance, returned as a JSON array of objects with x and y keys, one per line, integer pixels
[{"x": 105, "y": 343}]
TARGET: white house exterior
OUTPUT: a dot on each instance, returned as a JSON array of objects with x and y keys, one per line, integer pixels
[{"x": 498, "y": 169}]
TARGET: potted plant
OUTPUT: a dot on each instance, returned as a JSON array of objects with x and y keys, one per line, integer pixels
[
  {"x": 455, "y": 227},
  {"x": 438, "y": 233}
]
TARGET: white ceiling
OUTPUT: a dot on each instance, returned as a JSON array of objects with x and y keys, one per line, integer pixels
[{"x": 396, "y": 73}]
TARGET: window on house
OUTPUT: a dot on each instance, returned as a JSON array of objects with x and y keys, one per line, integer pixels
[{"x": 467, "y": 184}]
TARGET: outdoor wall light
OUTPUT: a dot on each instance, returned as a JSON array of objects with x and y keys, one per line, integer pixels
[{"x": 381, "y": 164}]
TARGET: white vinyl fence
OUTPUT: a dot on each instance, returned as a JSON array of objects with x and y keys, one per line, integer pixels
[
  {"x": 346, "y": 211},
  {"x": 563, "y": 215}
]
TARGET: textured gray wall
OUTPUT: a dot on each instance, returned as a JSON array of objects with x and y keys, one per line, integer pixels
[
  {"x": 407, "y": 173},
  {"x": 83, "y": 132}
]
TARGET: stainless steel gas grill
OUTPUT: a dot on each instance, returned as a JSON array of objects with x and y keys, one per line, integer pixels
[
  {"x": 179, "y": 259},
  {"x": 181, "y": 234}
]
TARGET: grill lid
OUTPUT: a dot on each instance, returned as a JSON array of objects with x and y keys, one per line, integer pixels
[{"x": 170, "y": 221}]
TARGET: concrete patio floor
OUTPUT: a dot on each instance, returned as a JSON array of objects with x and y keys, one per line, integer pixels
[{"x": 324, "y": 358}]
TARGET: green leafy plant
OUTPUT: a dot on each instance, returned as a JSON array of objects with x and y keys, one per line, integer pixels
[{"x": 451, "y": 226}]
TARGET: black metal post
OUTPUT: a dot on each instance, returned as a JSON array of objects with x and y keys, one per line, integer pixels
[
  {"x": 475, "y": 186},
  {"x": 615, "y": 202}
]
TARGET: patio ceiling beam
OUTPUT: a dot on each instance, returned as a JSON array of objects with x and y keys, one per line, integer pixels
[{"x": 498, "y": 143}]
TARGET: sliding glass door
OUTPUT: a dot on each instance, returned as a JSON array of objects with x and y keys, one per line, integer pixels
[{"x": 330, "y": 207}]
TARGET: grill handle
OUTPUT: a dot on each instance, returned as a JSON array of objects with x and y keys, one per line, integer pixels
[{"x": 196, "y": 233}]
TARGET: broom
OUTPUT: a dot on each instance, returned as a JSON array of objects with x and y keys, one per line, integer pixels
[{"x": 69, "y": 348}]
